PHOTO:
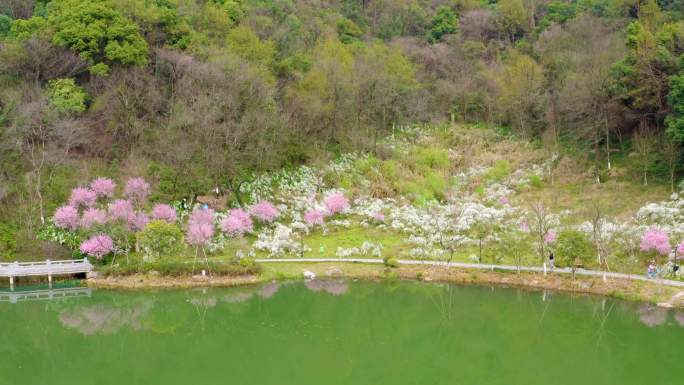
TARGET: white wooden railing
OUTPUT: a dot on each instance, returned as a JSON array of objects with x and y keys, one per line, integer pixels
[{"x": 48, "y": 268}]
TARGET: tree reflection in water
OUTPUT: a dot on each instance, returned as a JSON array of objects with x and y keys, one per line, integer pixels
[
  {"x": 101, "y": 318},
  {"x": 330, "y": 286}
]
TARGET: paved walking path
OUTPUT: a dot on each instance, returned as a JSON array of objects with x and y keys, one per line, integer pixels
[{"x": 482, "y": 266}]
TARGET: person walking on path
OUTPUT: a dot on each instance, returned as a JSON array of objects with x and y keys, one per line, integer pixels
[
  {"x": 651, "y": 271},
  {"x": 552, "y": 260}
]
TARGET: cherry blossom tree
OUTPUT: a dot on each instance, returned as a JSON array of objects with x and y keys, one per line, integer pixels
[
  {"x": 103, "y": 187},
  {"x": 265, "y": 211},
  {"x": 336, "y": 203},
  {"x": 98, "y": 246},
  {"x": 655, "y": 240},
  {"x": 137, "y": 190},
  {"x": 66, "y": 217},
  {"x": 82, "y": 197},
  {"x": 164, "y": 212},
  {"x": 92, "y": 217},
  {"x": 237, "y": 223}
]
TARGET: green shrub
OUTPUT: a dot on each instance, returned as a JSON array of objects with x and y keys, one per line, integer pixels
[
  {"x": 67, "y": 97},
  {"x": 366, "y": 164},
  {"x": 160, "y": 239},
  {"x": 535, "y": 180},
  {"x": 390, "y": 262},
  {"x": 437, "y": 184},
  {"x": 390, "y": 170},
  {"x": 180, "y": 268},
  {"x": 573, "y": 244},
  {"x": 8, "y": 240},
  {"x": 500, "y": 170},
  {"x": 433, "y": 158}
]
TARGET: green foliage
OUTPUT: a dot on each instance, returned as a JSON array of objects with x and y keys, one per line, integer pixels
[
  {"x": 432, "y": 158},
  {"x": 8, "y": 240},
  {"x": 52, "y": 233},
  {"x": 160, "y": 239},
  {"x": 675, "y": 122},
  {"x": 67, "y": 97},
  {"x": 245, "y": 43},
  {"x": 390, "y": 170},
  {"x": 25, "y": 28},
  {"x": 572, "y": 244},
  {"x": 535, "y": 180},
  {"x": 390, "y": 262},
  {"x": 179, "y": 268},
  {"x": 499, "y": 171},
  {"x": 97, "y": 32},
  {"x": 436, "y": 184},
  {"x": 444, "y": 22},
  {"x": 348, "y": 31},
  {"x": 5, "y": 25}
]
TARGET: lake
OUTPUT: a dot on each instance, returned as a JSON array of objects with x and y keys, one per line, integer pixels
[{"x": 339, "y": 332}]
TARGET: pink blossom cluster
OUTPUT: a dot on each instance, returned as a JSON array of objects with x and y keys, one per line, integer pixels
[
  {"x": 97, "y": 246},
  {"x": 82, "y": 197},
  {"x": 336, "y": 203},
  {"x": 162, "y": 212},
  {"x": 199, "y": 234},
  {"x": 92, "y": 217},
  {"x": 680, "y": 249},
  {"x": 379, "y": 216},
  {"x": 504, "y": 200},
  {"x": 66, "y": 217},
  {"x": 137, "y": 221},
  {"x": 265, "y": 211},
  {"x": 103, "y": 187},
  {"x": 137, "y": 189},
  {"x": 202, "y": 215},
  {"x": 656, "y": 240},
  {"x": 237, "y": 223},
  {"x": 314, "y": 217},
  {"x": 120, "y": 209},
  {"x": 200, "y": 227},
  {"x": 550, "y": 237}
]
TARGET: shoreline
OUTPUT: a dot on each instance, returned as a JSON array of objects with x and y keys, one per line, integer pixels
[{"x": 628, "y": 289}]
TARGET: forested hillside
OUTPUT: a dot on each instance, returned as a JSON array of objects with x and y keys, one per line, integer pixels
[{"x": 198, "y": 93}]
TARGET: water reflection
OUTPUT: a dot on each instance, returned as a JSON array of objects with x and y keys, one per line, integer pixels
[
  {"x": 330, "y": 286},
  {"x": 652, "y": 316},
  {"x": 104, "y": 319}
]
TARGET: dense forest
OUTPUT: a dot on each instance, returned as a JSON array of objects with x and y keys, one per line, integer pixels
[{"x": 199, "y": 93}]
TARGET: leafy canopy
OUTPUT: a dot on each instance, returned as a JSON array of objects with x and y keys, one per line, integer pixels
[{"x": 98, "y": 32}]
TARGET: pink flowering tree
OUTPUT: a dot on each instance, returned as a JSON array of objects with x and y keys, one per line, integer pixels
[
  {"x": 93, "y": 217},
  {"x": 66, "y": 217},
  {"x": 82, "y": 197},
  {"x": 103, "y": 187},
  {"x": 655, "y": 240},
  {"x": 137, "y": 221},
  {"x": 200, "y": 231},
  {"x": 336, "y": 203},
  {"x": 237, "y": 223},
  {"x": 265, "y": 212},
  {"x": 550, "y": 237},
  {"x": 312, "y": 218},
  {"x": 98, "y": 246},
  {"x": 137, "y": 190},
  {"x": 120, "y": 209},
  {"x": 163, "y": 212}
]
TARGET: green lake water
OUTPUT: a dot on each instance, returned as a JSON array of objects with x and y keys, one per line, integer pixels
[{"x": 339, "y": 332}]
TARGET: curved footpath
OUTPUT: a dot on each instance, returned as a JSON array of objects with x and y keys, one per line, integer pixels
[{"x": 482, "y": 266}]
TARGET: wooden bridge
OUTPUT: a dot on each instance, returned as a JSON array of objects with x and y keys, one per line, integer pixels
[
  {"x": 44, "y": 294},
  {"x": 45, "y": 268}
]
